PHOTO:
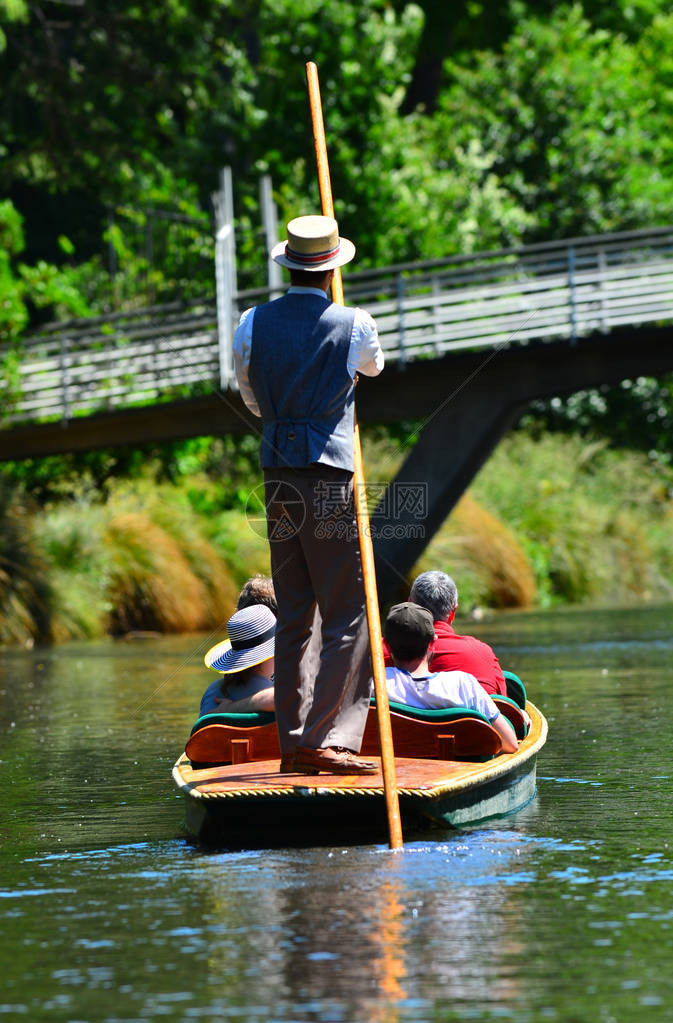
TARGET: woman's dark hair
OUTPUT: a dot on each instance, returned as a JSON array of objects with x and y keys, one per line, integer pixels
[{"x": 258, "y": 590}]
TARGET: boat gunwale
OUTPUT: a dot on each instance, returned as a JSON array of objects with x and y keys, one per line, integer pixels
[{"x": 487, "y": 772}]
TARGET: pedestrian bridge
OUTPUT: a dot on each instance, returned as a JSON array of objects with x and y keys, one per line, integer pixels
[{"x": 469, "y": 341}]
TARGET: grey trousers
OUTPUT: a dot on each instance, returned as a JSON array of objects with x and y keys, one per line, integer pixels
[{"x": 322, "y": 666}]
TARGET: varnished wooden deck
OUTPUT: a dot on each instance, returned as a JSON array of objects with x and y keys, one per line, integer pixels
[{"x": 420, "y": 778}]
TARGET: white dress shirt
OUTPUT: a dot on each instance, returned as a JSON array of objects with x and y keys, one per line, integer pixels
[
  {"x": 439, "y": 689},
  {"x": 365, "y": 354}
]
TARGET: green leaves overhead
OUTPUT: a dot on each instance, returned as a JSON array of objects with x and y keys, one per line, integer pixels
[
  {"x": 451, "y": 130},
  {"x": 577, "y": 119}
]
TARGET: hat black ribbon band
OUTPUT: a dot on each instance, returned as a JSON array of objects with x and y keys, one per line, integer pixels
[{"x": 248, "y": 644}]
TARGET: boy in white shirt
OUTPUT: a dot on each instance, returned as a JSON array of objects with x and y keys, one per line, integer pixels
[{"x": 409, "y": 631}]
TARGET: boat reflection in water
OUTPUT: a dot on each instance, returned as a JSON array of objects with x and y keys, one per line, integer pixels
[{"x": 363, "y": 933}]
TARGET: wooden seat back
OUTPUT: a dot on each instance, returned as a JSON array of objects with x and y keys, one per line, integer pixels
[
  {"x": 224, "y": 744},
  {"x": 513, "y": 713},
  {"x": 459, "y": 738}
]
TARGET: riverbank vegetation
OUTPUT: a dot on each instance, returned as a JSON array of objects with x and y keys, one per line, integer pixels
[
  {"x": 466, "y": 127},
  {"x": 550, "y": 519}
]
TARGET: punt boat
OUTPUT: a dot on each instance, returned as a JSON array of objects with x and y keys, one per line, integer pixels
[{"x": 449, "y": 772}]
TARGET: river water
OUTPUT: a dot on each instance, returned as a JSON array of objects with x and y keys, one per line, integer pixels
[{"x": 561, "y": 912}]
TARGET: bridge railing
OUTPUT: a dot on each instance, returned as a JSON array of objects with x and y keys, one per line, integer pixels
[
  {"x": 113, "y": 361},
  {"x": 539, "y": 292}
]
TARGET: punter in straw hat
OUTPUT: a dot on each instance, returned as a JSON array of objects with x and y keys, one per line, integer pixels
[
  {"x": 245, "y": 661},
  {"x": 296, "y": 361}
]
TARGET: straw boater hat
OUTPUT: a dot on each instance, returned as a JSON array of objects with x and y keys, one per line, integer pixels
[
  {"x": 251, "y": 640},
  {"x": 313, "y": 243}
]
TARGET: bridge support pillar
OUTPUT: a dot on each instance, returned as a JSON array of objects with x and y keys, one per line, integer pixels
[
  {"x": 452, "y": 446},
  {"x": 468, "y": 402}
]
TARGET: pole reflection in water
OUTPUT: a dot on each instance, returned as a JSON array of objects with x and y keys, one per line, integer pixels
[{"x": 389, "y": 939}]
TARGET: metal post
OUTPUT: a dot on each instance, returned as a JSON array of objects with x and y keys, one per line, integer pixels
[
  {"x": 602, "y": 269},
  {"x": 400, "y": 318},
  {"x": 65, "y": 344},
  {"x": 436, "y": 294},
  {"x": 270, "y": 222},
  {"x": 225, "y": 276},
  {"x": 571, "y": 284}
]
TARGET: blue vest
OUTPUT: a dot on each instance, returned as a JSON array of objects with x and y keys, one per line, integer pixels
[{"x": 298, "y": 374}]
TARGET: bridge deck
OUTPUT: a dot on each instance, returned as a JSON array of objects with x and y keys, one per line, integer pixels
[{"x": 547, "y": 292}]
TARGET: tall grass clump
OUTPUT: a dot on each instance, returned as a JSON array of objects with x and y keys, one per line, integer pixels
[
  {"x": 483, "y": 556},
  {"x": 152, "y": 586},
  {"x": 595, "y": 522},
  {"x": 166, "y": 574},
  {"x": 71, "y": 540},
  {"x": 213, "y": 586},
  {"x": 25, "y": 593},
  {"x": 139, "y": 561}
]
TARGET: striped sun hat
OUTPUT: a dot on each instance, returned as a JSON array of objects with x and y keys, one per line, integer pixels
[
  {"x": 251, "y": 640},
  {"x": 313, "y": 243}
]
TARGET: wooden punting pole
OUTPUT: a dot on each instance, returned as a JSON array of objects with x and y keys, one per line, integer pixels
[{"x": 362, "y": 513}]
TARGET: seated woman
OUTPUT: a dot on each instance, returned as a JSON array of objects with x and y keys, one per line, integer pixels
[
  {"x": 409, "y": 632},
  {"x": 246, "y": 662}
]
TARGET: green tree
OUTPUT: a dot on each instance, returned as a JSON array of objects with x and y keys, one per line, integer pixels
[
  {"x": 13, "y": 312},
  {"x": 10, "y": 11},
  {"x": 42, "y": 285},
  {"x": 576, "y": 117}
]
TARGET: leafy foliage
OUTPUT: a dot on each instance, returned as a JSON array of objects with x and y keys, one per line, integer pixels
[
  {"x": 635, "y": 414},
  {"x": 25, "y": 594},
  {"x": 577, "y": 119},
  {"x": 546, "y": 120},
  {"x": 451, "y": 128}
]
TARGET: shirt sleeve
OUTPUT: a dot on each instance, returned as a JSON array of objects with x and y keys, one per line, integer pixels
[
  {"x": 242, "y": 348},
  {"x": 365, "y": 354},
  {"x": 481, "y": 701},
  {"x": 460, "y": 689},
  {"x": 208, "y": 700}
]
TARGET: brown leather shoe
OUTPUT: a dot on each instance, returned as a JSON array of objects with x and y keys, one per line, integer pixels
[
  {"x": 334, "y": 760},
  {"x": 287, "y": 764}
]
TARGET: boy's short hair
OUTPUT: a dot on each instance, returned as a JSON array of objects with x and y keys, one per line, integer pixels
[{"x": 409, "y": 630}]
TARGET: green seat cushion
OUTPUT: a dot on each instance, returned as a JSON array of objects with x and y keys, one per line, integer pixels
[
  {"x": 515, "y": 688},
  {"x": 437, "y": 715},
  {"x": 506, "y": 699},
  {"x": 515, "y": 716},
  {"x": 251, "y": 720}
]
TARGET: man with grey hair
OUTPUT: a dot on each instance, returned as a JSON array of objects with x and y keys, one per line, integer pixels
[{"x": 437, "y": 592}]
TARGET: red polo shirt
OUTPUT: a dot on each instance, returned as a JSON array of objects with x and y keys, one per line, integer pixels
[{"x": 464, "y": 653}]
